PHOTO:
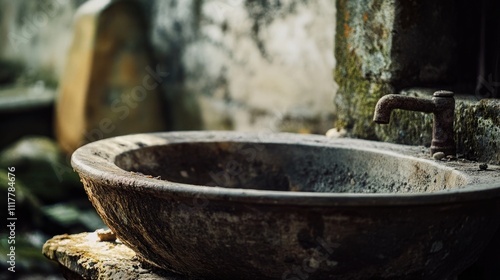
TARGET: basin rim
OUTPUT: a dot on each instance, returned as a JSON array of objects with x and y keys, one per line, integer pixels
[{"x": 95, "y": 162}]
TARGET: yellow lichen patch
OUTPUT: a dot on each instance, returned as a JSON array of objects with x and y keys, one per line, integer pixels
[
  {"x": 304, "y": 130},
  {"x": 365, "y": 17},
  {"x": 346, "y": 15},
  {"x": 347, "y": 30}
]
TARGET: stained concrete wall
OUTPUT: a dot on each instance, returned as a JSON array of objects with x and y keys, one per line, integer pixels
[
  {"x": 35, "y": 38},
  {"x": 413, "y": 48},
  {"x": 233, "y": 64},
  {"x": 251, "y": 65},
  {"x": 385, "y": 46}
]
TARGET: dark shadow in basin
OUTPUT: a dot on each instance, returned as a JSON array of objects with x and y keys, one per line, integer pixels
[{"x": 289, "y": 167}]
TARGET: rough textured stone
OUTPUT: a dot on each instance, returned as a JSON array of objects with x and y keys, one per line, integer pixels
[
  {"x": 83, "y": 256},
  {"x": 382, "y": 47},
  {"x": 110, "y": 85},
  {"x": 477, "y": 127},
  {"x": 397, "y": 42},
  {"x": 248, "y": 65},
  {"x": 412, "y": 48},
  {"x": 217, "y": 215}
]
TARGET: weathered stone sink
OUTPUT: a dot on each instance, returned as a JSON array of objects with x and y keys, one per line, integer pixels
[{"x": 227, "y": 205}]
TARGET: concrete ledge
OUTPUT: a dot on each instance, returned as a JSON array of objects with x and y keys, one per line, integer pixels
[
  {"x": 84, "y": 256},
  {"x": 477, "y": 126}
]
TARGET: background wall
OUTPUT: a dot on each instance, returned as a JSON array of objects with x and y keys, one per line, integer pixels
[
  {"x": 416, "y": 48},
  {"x": 233, "y": 64}
]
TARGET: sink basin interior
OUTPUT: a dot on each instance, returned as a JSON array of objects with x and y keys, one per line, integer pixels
[{"x": 290, "y": 167}]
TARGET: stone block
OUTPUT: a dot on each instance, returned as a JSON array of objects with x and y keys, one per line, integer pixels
[
  {"x": 84, "y": 256},
  {"x": 110, "y": 86},
  {"x": 382, "y": 47}
]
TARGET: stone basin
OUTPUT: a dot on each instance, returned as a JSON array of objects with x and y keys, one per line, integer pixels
[{"x": 228, "y": 205}]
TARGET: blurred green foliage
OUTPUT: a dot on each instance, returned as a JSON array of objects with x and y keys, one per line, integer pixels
[{"x": 50, "y": 200}]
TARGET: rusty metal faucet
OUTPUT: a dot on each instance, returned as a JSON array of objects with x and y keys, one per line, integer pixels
[{"x": 442, "y": 105}]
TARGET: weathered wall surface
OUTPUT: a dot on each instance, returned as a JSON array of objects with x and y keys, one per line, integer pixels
[
  {"x": 246, "y": 65},
  {"x": 35, "y": 37},
  {"x": 382, "y": 47},
  {"x": 413, "y": 48},
  {"x": 233, "y": 64}
]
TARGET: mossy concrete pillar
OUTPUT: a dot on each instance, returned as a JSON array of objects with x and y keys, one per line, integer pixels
[
  {"x": 414, "y": 48},
  {"x": 382, "y": 47}
]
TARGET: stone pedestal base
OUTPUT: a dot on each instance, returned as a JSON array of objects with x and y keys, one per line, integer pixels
[{"x": 84, "y": 256}]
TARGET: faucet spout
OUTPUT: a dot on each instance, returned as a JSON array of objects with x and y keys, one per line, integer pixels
[
  {"x": 442, "y": 105},
  {"x": 389, "y": 102}
]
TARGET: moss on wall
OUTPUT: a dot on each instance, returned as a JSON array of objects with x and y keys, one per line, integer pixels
[
  {"x": 359, "y": 73},
  {"x": 378, "y": 48},
  {"x": 477, "y": 126},
  {"x": 406, "y": 127},
  {"x": 355, "y": 111}
]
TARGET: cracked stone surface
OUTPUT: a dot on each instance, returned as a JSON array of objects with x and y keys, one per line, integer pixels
[{"x": 84, "y": 256}]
